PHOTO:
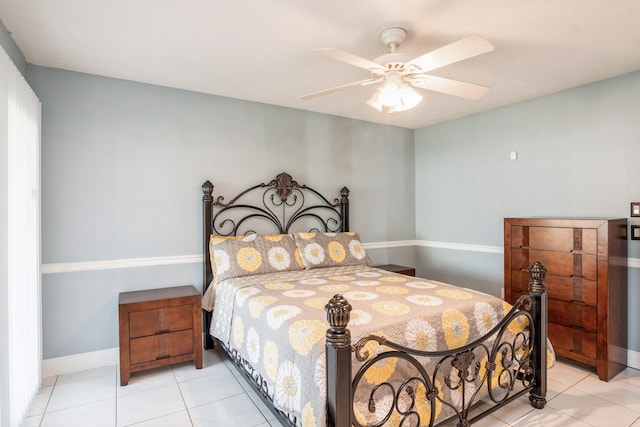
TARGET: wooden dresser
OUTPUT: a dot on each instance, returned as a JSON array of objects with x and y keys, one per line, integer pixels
[
  {"x": 586, "y": 261},
  {"x": 159, "y": 327}
]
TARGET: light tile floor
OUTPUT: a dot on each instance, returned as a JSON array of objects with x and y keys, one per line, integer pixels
[{"x": 217, "y": 395}]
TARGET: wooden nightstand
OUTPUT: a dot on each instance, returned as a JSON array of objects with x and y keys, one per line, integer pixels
[
  {"x": 159, "y": 327},
  {"x": 397, "y": 269}
]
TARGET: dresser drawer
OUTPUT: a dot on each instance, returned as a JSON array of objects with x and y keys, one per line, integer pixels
[
  {"x": 150, "y": 322},
  {"x": 556, "y": 239},
  {"x": 557, "y": 263},
  {"x": 574, "y": 343},
  {"x": 573, "y": 315},
  {"x": 156, "y": 347},
  {"x": 572, "y": 289}
]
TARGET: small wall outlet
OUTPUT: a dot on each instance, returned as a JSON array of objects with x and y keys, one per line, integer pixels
[
  {"x": 502, "y": 293},
  {"x": 513, "y": 155}
]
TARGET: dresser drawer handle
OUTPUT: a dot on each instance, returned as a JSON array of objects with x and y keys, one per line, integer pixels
[
  {"x": 164, "y": 356},
  {"x": 163, "y": 331}
]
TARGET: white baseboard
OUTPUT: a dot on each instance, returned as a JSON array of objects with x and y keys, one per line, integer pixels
[
  {"x": 80, "y": 362},
  {"x": 633, "y": 359},
  {"x": 111, "y": 356}
]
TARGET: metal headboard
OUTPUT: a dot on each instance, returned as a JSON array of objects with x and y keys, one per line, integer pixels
[{"x": 277, "y": 207}]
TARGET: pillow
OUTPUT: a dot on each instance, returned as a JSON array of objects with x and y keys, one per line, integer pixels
[
  {"x": 331, "y": 249},
  {"x": 236, "y": 256}
]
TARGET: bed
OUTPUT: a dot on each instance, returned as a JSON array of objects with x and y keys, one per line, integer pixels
[{"x": 328, "y": 339}]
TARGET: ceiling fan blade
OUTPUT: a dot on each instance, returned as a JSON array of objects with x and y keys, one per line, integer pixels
[
  {"x": 450, "y": 87},
  {"x": 464, "y": 48},
  {"x": 365, "y": 82},
  {"x": 350, "y": 58}
]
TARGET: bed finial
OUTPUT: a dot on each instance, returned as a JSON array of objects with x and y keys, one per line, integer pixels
[
  {"x": 207, "y": 189},
  {"x": 344, "y": 193},
  {"x": 537, "y": 272},
  {"x": 338, "y": 313}
]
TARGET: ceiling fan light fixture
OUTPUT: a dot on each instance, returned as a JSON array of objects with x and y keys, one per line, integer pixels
[
  {"x": 390, "y": 94},
  {"x": 394, "y": 97},
  {"x": 409, "y": 97}
]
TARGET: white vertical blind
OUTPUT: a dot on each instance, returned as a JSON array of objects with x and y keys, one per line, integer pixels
[{"x": 20, "y": 303}]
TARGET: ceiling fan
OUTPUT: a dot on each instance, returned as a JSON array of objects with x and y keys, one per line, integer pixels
[{"x": 401, "y": 75}]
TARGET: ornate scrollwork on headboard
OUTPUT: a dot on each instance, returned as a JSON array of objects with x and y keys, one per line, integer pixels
[
  {"x": 279, "y": 206},
  {"x": 281, "y": 202}
]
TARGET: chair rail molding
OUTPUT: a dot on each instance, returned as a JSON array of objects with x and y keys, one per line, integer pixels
[{"x": 71, "y": 267}]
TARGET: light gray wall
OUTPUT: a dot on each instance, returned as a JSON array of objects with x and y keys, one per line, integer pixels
[
  {"x": 578, "y": 154},
  {"x": 122, "y": 166}
]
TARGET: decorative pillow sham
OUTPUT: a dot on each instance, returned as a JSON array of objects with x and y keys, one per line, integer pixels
[
  {"x": 331, "y": 249},
  {"x": 236, "y": 256}
]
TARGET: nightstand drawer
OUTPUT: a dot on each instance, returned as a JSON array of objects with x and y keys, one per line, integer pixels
[
  {"x": 156, "y": 347},
  {"x": 162, "y": 320}
]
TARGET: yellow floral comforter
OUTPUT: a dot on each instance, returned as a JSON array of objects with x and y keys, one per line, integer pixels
[{"x": 277, "y": 322}]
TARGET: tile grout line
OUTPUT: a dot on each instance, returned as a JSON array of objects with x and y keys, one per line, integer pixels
[
  {"x": 115, "y": 421},
  {"x": 173, "y": 372},
  {"x": 605, "y": 399},
  {"x": 44, "y": 411},
  {"x": 246, "y": 392}
]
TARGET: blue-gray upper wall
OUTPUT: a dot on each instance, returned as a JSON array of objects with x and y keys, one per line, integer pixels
[
  {"x": 123, "y": 163},
  {"x": 578, "y": 154},
  {"x": 122, "y": 166},
  {"x": 12, "y": 49}
]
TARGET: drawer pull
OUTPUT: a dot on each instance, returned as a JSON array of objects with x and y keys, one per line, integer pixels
[
  {"x": 164, "y": 356},
  {"x": 163, "y": 331}
]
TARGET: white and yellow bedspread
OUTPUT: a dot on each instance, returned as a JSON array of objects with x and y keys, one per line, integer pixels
[{"x": 277, "y": 322}]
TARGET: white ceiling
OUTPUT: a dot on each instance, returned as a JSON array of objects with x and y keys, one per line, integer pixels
[{"x": 261, "y": 50}]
